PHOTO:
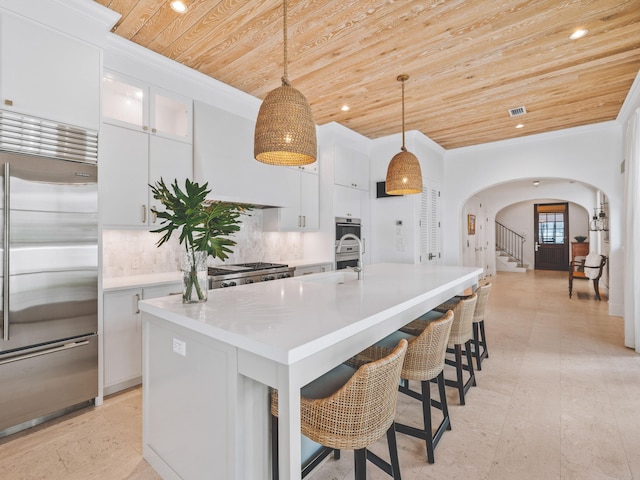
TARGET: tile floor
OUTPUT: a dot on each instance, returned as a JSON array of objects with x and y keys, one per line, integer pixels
[{"x": 559, "y": 398}]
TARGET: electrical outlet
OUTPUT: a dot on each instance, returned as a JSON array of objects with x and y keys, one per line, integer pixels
[{"x": 180, "y": 347}]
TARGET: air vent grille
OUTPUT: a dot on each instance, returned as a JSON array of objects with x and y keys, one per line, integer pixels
[
  {"x": 516, "y": 112},
  {"x": 34, "y": 136}
]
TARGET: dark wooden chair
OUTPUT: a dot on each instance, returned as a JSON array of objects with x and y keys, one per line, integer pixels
[{"x": 577, "y": 269}]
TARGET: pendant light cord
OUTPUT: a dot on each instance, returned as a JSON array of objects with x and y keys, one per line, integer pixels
[
  {"x": 403, "y": 147},
  {"x": 285, "y": 78}
]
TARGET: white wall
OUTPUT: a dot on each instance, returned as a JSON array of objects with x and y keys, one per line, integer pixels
[
  {"x": 390, "y": 244},
  {"x": 590, "y": 155}
]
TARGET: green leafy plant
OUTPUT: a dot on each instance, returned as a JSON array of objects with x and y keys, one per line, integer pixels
[{"x": 202, "y": 226}]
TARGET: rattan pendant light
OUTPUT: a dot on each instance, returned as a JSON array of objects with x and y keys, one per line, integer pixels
[
  {"x": 285, "y": 132},
  {"x": 404, "y": 175}
]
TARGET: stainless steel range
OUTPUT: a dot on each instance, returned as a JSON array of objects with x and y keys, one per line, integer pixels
[{"x": 231, "y": 275}]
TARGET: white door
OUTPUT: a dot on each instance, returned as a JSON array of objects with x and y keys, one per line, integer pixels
[{"x": 430, "y": 223}]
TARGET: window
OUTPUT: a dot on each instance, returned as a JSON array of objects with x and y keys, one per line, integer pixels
[{"x": 551, "y": 224}]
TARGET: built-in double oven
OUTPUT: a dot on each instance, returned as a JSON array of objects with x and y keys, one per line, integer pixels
[{"x": 349, "y": 252}]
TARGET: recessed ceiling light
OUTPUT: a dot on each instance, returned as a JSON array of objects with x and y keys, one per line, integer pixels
[
  {"x": 536, "y": 183},
  {"x": 578, "y": 34},
  {"x": 178, "y": 6},
  {"x": 345, "y": 108},
  {"x": 520, "y": 125}
]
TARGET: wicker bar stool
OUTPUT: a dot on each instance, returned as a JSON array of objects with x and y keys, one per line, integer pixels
[
  {"x": 424, "y": 362},
  {"x": 461, "y": 334},
  {"x": 351, "y": 412},
  {"x": 480, "y": 350},
  {"x": 479, "y": 341}
]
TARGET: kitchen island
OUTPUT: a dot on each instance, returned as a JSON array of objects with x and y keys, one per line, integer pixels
[{"x": 207, "y": 367}]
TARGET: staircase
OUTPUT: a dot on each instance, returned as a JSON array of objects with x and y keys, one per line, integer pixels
[
  {"x": 506, "y": 263},
  {"x": 509, "y": 250}
]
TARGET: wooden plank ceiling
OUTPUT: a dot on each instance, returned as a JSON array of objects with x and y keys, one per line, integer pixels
[{"x": 469, "y": 62}]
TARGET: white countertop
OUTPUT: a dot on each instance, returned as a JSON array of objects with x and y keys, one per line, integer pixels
[
  {"x": 289, "y": 319},
  {"x": 146, "y": 280},
  {"x": 149, "y": 279}
]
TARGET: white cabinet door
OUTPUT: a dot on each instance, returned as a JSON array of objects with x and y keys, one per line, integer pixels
[
  {"x": 125, "y": 102},
  {"x": 48, "y": 74},
  {"x": 351, "y": 168},
  {"x": 170, "y": 115},
  {"x": 346, "y": 202},
  {"x": 360, "y": 171},
  {"x": 123, "y": 160},
  {"x": 122, "y": 340},
  {"x": 303, "y": 214},
  {"x": 309, "y": 201},
  {"x": 170, "y": 160}
]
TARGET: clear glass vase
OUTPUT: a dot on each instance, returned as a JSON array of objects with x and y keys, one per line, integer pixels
[{"x": 195, "y": 277}]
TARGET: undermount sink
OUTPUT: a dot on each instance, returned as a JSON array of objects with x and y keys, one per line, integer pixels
[{"x": 337, "y": 278}]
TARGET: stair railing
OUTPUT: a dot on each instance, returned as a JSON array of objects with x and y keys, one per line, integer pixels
[{"x": 510, "y": 242}]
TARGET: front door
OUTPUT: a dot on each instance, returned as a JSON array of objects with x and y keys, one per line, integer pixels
[{"x": 551, "y": 227}]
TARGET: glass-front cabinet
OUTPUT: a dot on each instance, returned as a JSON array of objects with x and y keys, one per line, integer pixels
[{"x": 130, "y": 103}]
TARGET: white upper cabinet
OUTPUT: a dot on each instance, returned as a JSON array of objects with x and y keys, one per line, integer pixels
[
  {"x": 303, "y": 212},
  {"x": 129, "y": 161},
  {"x": 130, "y": 103},
  {"x": 351, "y": 168},
  {"x": 347, "y": 202},
  {"x": 47, "y": 74}
]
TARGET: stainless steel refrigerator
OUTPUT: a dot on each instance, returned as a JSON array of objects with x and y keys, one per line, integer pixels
[{"x": 48, "y": 285}]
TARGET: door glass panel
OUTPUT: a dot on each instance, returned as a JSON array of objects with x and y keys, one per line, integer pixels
[
  {"x": 122, "y": 101},
  {"x": 171, "y": 116},
  {"x": 551, "y": 228}
]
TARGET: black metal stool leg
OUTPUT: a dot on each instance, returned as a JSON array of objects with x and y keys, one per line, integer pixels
[
  {"x": 360, "y": 463},
  {"x": 275, "y": 474},
  {"x": 393, "y": 452}
]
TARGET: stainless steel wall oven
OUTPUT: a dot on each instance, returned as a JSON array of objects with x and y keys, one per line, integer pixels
[{"x": 350, "y": 251}]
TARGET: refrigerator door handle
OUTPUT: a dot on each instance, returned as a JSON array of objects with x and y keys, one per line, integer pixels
[
  {"x": 5, "y": 254},
  {"x": 66, "y": 346}
]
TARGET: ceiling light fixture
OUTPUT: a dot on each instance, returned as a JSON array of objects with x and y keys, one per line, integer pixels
[
  {"x": 178, "y": 6},
  {"x": 404, "y": 176},
  {"x": 578, "y": 34},
  {"x": 345, "y": 108},
  {"x": 520, "y": 125},
  {"x": 285, "y": 133}
]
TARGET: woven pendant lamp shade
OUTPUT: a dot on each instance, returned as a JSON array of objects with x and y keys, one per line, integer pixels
[
  {"x": 285, "y": 133},
  {"x": 404, "y": 175}
]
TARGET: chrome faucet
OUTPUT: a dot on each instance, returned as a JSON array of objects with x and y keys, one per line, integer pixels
[{"x": 360, "y": 268}]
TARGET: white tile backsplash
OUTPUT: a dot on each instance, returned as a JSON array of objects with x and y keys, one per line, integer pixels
[{"x": 134, "y": 252}]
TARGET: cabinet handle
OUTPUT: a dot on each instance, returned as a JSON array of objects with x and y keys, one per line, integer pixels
[
  {"x": 154, "y": 215},
  {"x": 153, "y": 130},
  {"x": 137, "y": 300},
  {"x": 299, "y": 220},
  {"x": 8, "y": 102},
  {"x": 144, "y": 214},
  {"x": 145, "y": 128},
  {"x": 304, "y": 220}
]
